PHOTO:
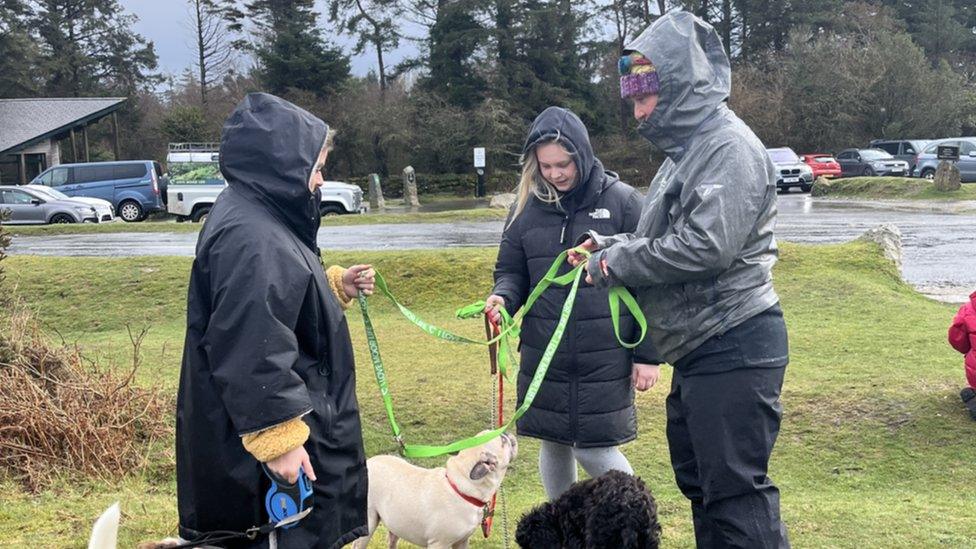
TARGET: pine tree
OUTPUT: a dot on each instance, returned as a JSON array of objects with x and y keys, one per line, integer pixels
[
  {"x": 288, "y": 45},
  {"x": 88, "y": 47},
  {"x": 18, "y": 63},
  {"x": 543, "y": 58},
  {"x": 454, "y": 39}
]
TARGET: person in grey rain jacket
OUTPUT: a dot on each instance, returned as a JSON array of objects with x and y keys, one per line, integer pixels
[
  {"x": 700, "y": 261},
  {"x": 585, "y": 407}
]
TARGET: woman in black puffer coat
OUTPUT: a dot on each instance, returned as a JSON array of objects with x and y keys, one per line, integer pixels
[{"x": 585, "y": 407}]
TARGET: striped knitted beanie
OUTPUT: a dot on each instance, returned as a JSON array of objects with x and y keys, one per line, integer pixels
[{"x": 637, "y": 76}]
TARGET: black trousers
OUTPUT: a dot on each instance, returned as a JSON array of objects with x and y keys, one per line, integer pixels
[{"x": 723, "y": 416}]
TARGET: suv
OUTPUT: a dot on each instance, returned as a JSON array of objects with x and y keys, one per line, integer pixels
[
  {"x": 927, "y": 161},
  {"x": 195, "y": 181},
  {"x": 790, "y": 170},
  {"x": 134, "y": 187},
  {"x": 904, "y": 149}
]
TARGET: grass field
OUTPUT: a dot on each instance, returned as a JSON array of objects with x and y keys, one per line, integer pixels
[
  {"x": 876, "y": 450},
  {"x": 899, "y": 188}
]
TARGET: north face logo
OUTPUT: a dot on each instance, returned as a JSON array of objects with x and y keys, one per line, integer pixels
[{"x": 600, "y": 213}]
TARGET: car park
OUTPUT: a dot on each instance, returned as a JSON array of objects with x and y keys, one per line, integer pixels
[
  {"x": 134, "y": 187},
  {"x": 790, "y": 170},
  {"x": 103, "y": 208},
  {"x": 195, "y": 182},
  {"x": 30, "y": 207},
  {"x": 823, "y": 165},
  {"x": 927, "y": 162},
  {"x": 870, "y": 162},
  {"x": 902, "y": 149}
]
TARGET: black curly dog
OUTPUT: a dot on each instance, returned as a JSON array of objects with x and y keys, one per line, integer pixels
[{"x": 615, "y": 510}]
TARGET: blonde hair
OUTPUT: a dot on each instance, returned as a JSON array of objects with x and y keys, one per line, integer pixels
[
  {"x": 532, "y": 183},
  {"x": 329, "y": 139}
]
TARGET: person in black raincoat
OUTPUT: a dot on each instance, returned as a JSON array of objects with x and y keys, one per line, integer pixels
[
  {"x": 268, "y": 373},
  {"x": 585, "y": 407}
]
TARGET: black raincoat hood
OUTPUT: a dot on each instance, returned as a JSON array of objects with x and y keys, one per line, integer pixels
[
  {"x": 557, "y": 122},
  {"x": 268, "y": 148},
  {"x": 695, "y": 75}
]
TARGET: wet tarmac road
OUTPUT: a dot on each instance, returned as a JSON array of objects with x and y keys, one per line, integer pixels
[{"x": 939, "y": 248}]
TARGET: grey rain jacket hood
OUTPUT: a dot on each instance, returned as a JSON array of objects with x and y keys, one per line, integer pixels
[
  {"x": 266, "y": 341},
  {"x": 587, "y": 399},
  {"x": 702, "y": 254}
]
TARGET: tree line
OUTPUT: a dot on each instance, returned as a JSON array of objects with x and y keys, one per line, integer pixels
[{"x": 816, "y": 75}]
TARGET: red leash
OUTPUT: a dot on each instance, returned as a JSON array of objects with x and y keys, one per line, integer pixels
[{"x": 491, "y": 332}]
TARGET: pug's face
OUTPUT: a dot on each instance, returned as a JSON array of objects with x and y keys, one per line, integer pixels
[{"x": 487, "y": 463}]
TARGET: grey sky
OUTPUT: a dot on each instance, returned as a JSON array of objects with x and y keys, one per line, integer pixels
[{"x": 165, "y": 22}]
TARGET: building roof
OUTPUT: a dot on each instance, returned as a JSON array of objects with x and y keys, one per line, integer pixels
[{"x": 24, "y": 122}]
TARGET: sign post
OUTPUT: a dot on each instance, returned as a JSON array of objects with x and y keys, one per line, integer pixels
[{"x": 479, "y": 165}]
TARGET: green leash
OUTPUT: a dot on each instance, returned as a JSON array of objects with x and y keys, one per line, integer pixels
[{"x": 509, "y": 328}]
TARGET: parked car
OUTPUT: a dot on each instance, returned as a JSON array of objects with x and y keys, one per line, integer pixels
[
  {"x": 902, "y": 149},
  {"x": 103, "y": 208},
  {"x": 791, "y": 171},
  {"x": 927, "y": 161},
  {"x": 869, "y": 162},
  {"x": 195, "y": 181},
  {"x": 29, "y": 207},
  {"x": 134, "y": 187},
  {"x": 823, "y": 165}
]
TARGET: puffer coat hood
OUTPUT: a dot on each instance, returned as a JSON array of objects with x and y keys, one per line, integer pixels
[{"x": 564, "y": 125}]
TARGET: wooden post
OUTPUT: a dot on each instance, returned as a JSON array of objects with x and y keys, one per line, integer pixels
[
  {"x": 84, "y": 139},
  {"x": 115, "y": 135},
  {"x": 74, "y": 146},
  {"x": 23, "y": 169}
]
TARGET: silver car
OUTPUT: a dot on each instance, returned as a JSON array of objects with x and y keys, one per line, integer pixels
[
  {"x": 28, "y": 207},
  {"x": 103, "y": 208},
  {"x": 928, "y": 160}
]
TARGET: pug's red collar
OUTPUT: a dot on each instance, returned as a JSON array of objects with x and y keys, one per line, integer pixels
[{"x": 472, "y": 500}]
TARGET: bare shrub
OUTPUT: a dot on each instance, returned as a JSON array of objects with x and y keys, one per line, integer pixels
[{"x": 62, "y": 415}]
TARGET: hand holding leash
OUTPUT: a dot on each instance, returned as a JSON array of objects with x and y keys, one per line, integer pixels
[
  {"x": 285, "y": 500},
  {"x": 358, "y": 278},
  {"x": 492, "y": 305},
  {"x": 288, "y": 466}
]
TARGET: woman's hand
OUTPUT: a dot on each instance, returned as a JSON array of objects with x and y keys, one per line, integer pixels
[
  {"x": 358, "y": 277},
  {"x": 492, "y": 306},
  {"x": 575, "y": 258},
  {"x": 286, "y": 465},
  {"x": 645, "y": 376}
]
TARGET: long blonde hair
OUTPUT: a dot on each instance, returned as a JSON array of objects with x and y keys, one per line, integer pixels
[{"x": 532, "y": 183}]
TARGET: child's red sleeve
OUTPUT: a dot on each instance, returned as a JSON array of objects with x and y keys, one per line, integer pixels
[{"x": 958, "y": 334}]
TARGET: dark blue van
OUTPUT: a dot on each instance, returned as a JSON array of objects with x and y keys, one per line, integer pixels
[{"x": 135, "y": 187}]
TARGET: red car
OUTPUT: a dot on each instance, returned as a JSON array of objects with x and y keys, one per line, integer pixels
[{"x": 822, "y": 165}]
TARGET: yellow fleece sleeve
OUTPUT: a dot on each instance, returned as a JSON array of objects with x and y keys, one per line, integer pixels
[
  {"x": 276, "y": 441},
  {"x": 334, "y": 274}
]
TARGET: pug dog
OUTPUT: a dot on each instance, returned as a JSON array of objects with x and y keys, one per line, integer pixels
[{"x": 436, "y": 508}]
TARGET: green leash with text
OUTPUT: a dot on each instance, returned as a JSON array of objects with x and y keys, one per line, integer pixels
[{"x": 509, "y": 328}]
